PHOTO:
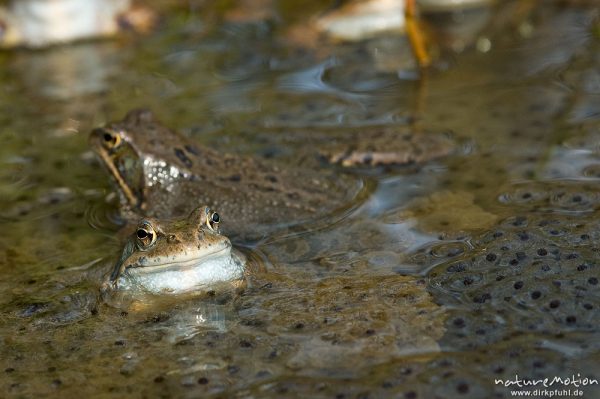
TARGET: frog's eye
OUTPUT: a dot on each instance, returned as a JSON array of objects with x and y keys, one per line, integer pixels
[
  {"x": 212, "y": 220},
  {"x": 146, "y": 236},
  {"x": 111, "y": 139}
]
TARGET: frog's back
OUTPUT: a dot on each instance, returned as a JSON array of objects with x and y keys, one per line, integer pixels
[{"x": 256, "y": 194}]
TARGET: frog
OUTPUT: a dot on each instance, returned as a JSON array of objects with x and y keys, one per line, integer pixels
[
  {"x": 161, "y": 173},
  {"x": 177, "y": 256}
]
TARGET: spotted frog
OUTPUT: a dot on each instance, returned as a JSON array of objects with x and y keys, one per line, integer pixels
[
  {"x": 177, "y": 256},
  {"x": 161, "y": 174}
]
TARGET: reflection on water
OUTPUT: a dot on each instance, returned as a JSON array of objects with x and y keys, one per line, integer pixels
[
  {"x": 477, "y": 265},
  {"x": 199, "y": 319}
]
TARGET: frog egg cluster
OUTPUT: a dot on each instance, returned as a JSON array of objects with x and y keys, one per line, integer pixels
[
  {"x": 554, "y": 196},
  {"x": 528, "y": 274}
]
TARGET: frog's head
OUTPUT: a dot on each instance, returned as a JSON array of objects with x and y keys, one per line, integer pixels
[
  {"x": 175, "y": 255},
  {"x": 120, "y": 147},
  {"x": 139, "y": 152}
]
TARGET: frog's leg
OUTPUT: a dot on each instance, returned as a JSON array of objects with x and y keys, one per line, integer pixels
[{"x": 415, "y": 34}]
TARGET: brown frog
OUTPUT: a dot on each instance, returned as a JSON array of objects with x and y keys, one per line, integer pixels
[
  {"x": 163, "y": 174},
  {"x": 177, "y": 256}
]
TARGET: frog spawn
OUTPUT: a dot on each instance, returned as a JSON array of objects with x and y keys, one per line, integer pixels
[
  {"x": 554, "y": 196},
  {"x": 529, "y": 274},
  {"x": 451, "y": 375},
  {"x": 517, "y": 290}
]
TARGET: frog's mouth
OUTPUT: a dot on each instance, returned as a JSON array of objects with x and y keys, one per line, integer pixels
[
  {"x": 181, "y": 263},
  {"x": 159, "y": 265},
  {"x": 183, "y": 275},
  {"x": 125, "y": 168}
]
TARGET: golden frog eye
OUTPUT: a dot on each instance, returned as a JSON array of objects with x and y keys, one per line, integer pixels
[
  {"x": 146, "y": 236},
  {"x": 212, "y": 220},
  {"x": 111, "y": 139}
]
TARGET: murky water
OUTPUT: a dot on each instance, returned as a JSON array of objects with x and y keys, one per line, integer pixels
[{"x": 441, "y": 278}]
